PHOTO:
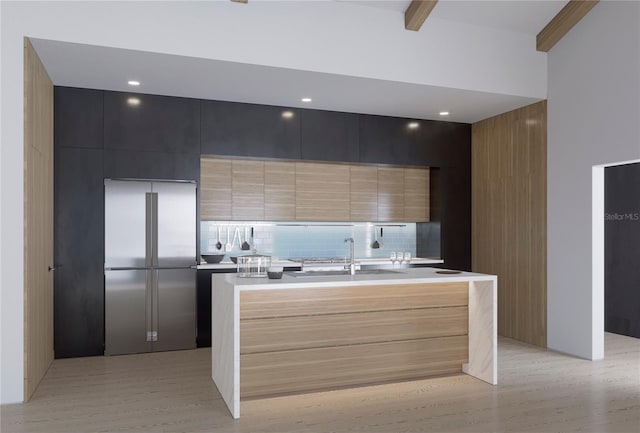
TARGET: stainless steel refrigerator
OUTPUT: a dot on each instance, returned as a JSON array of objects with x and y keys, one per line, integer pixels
[{"x": 149, "y": 274}]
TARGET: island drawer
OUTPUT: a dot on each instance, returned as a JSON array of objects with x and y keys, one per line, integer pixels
[
  {"x": 350, "y": 299},
  {"x": 305, "y": 332},
  {"x": 324, "y": 368}
]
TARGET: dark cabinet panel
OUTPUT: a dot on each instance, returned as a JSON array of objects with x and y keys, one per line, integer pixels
[
  {"x": 154, "y": 123},
  {"x": 203, "y": 302},
  {"x": 329, "y": 136},
  {"x": 78, "y": 117},
  {"x": 455, "y": 211},
  {"x": 384, "y": 140},
  {"x": 437, "y": 144},
  {"x": 151, "y": 165},
  {"x": 236, "y": 129},
  {"x": 78, "y": 253}
]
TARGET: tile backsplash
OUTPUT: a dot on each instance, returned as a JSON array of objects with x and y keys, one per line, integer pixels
[{"x": 311, "y": 239}]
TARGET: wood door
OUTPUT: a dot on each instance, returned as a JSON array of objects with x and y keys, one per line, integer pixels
[
  {"x": 215, "y": 189},
  {"x": 416, "y": 194},
  {"x": 322, "y": 192},
  {"x": 279, "y": 191},
  {"x": 247, "y": 190},
  {"x": 38, "y": 220},
  {"x": 390, "y": 194},
  {"x": 364, "y": 193}
]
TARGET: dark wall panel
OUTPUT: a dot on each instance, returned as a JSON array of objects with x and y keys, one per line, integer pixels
[
  {"x": 622, "y": 250},
  {"x": 329, "y": 136},
  {"x": 156, "y": 123},
  {"x": 235, "y": 129},
  {"x": 78, "y": 253},
  {"x": 78, "y": 117}
]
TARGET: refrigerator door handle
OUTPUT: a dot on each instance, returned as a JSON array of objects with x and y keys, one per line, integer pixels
[
  {"x": 151, "y": 227},
  {"x": 148, "y": 295},
  {"x": 154, "y": 305}
]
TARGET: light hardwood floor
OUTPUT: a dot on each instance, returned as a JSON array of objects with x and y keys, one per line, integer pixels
[{"x": 539, "y": 391}]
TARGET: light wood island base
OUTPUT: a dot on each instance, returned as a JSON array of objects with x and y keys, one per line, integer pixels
[{"x": 272, "y": 337}]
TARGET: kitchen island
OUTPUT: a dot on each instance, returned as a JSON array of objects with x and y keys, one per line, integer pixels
[{"x": 307, "y": 333}]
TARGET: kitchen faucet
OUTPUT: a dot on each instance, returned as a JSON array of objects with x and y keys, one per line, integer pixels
[{"x": 352, "y": 261}]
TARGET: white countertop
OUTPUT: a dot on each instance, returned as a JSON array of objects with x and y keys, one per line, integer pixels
[
  {"x": 401, "y": 276},
  {"x": 228, "y": 264}
]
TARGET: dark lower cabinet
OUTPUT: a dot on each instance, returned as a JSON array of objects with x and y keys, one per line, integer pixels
[
  {"x": 622, "y": 250},
  {"x": 203, "y": 302},
  {"x": 78, "y": 253}
]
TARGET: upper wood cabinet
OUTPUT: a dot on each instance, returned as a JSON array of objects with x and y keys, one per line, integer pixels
[
  {"x": 307, "y": 191},
  {"x": 390, "y": 194},
  {"x": 247, "y": 190},
  {"x": 215, "y": 189},
  {"x": 279, "y": 191},
  {"x": 322, "y": 192},
  {"x": 416, "y": 194},
  {"x": 364, "y": 193}
]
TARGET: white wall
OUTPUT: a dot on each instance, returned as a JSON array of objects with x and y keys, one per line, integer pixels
[
  {"x": 330, "y": 37},
  {"x": 593, "y": 118}
]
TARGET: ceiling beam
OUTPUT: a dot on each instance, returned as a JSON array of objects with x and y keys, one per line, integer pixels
[
  {"x": 564, "y": 21},
  {"x": 417, "y": 13}
]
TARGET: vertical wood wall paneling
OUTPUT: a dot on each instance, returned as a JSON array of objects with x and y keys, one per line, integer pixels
[
  {"x": 390, "y": 194},
  {"x": 364, "y": 193},
  {"x": 416, "y": 194},
  {"x": 509, "y": 208},
  {"x": 38, "y": 220},
  {"x": 279, "y": 191},
  {"x": 247, "y": 190},
  {"x": 215, "y": 189}
]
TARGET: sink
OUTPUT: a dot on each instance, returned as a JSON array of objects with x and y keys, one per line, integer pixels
[{"x": 299, "y": 274}]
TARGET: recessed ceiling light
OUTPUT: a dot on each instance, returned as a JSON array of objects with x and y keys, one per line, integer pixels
[
  {"x": 133, "y": 83},
  {"x": 413, "y": 125},
  {"x": 444, "y": 113},
  {"x": 133, "y": 101},
  {"x": 306, "y": 99},
  {"x": 287, "y": 114}
]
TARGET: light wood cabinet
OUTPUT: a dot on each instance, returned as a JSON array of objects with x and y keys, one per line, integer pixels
[
  {"x": 390, "y": 194},
  {"x": 279, "y": 191},
  {"x": 364, "y": 193},
  {"x": 247, "y": 190},
  {"x": 322, "y": 192},
  {"x": 416, "y": 194},
  {"x": 215, "y": 189},
  {"x": 237, "y": 189}
]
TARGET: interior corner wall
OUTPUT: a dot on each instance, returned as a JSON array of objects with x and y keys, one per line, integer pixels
[{"x": 593, "y": 118}]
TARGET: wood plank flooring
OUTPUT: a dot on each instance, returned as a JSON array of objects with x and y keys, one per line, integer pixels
[{"x": 539, "y": 391}]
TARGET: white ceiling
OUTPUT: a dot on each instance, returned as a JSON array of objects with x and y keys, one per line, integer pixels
[
  {"x": 522, "y": 16},
  {"x": 88, "y": 66}
]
